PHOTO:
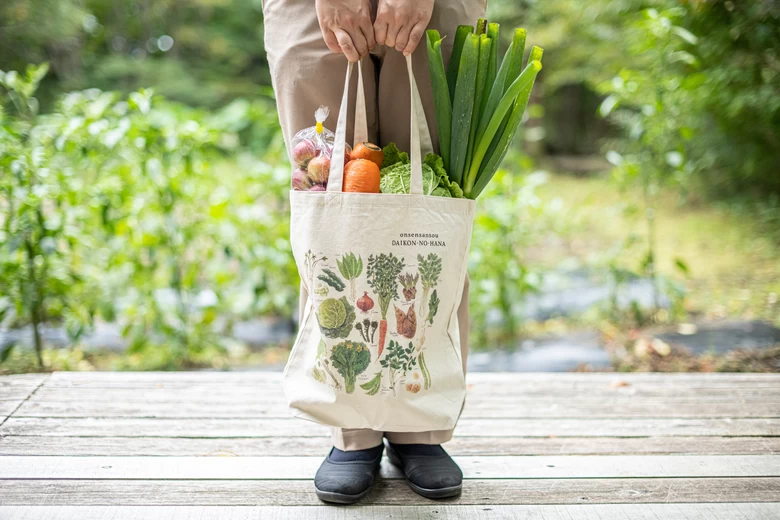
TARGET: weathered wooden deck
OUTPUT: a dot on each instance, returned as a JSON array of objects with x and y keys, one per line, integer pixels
[{"x": 87, "y": 446}]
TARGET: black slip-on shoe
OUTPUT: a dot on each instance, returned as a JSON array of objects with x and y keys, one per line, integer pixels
[
  {"x": 347, "y": 481},
  {"x": 429, "y": 470}
]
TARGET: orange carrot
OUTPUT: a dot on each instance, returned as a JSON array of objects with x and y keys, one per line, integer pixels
[
  {"x": 382, "y": 337},
  {"x": 361, "y": 175},
  {"x": 369, "y": 152}
]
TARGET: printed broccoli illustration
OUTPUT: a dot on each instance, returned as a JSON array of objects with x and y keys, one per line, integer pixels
[{"x": 351, "y": 359}]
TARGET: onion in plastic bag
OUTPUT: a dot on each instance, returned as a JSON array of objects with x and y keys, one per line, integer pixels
[{"x": 312, "y": 150}]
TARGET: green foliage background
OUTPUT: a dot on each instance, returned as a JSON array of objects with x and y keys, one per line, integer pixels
[{"x": 144, "y": 178}]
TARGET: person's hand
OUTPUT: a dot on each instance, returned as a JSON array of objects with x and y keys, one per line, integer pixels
[
  {"x": 401, "y": 23},
  {"x": 346, "y": 26}
]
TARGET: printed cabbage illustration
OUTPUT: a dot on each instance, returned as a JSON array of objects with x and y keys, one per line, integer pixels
[
  {"x": 336, "y": 317},
  {"x": 351, "y": 359}
]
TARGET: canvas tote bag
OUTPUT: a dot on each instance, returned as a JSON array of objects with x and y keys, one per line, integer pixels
[{"x": 379, "y": 344}]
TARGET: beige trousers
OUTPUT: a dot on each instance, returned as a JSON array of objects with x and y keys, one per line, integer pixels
[{"x": 305, "y": 75}]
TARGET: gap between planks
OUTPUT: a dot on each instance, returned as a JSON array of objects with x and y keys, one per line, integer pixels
[{"x": 37, "y": 384}]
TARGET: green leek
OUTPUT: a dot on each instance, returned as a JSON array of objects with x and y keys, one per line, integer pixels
[
  {"x": 463, "y": 107},
  {"x": 441, "y": 95}
]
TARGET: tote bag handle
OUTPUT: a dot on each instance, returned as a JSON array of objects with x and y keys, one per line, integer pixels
[{"x": 420, "y": 135}]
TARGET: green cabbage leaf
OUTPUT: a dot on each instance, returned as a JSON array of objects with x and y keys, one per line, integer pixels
[{"x": 396, "y": 174}]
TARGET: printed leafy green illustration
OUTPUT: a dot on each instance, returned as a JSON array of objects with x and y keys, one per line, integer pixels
[
  {"x": 399, "y": 360},
  {"x": 433, "y": 306},
  {"x": 350, "y": 268},
  {"x": 430, "y": 270},
  {"x": 350, "y": 358}
]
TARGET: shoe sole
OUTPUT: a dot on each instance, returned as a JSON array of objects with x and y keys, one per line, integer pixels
[
  {"x": 340, "y": 498},
  {"x": 436, "y": 493},
  {"x": 448, "y": 492}
]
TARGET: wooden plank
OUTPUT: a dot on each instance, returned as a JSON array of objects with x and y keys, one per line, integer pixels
[
  {"x": 388, "y": 492},
  {"x": 482, "y": 467},
  {"x": 707, "y": 511},
  {"x": 223, "y": 377},
  {"x": 193, "y": 409},
  {"x": 253, "y": 395},
  {"x": 520, "y": 387},
  {"x": 493, "y": 377},
  {"x": 22, "y": 380},
  {"x": 15, "y": 389},
  {"x": 319, "y": 446},
  {"x": 6, "y": 407},
  {"x": 119, "y": 427},
  {"x": 481, "y": 393},
  {"x": 19, "y": 387},
  {"x": 626, "y": 383}
]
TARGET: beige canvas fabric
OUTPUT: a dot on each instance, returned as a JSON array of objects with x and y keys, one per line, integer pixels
[
  {"x": 408, "y": 376},
  {"x": 306, "y": 74}
]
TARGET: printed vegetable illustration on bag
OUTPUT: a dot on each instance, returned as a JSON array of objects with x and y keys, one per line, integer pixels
[
  {"x": 336, "y": 317},
  {"x": 350, "y": 359},
  {"x": 406, "y": 322},
  {"x": 322, "y": 367},
  {"x": 399, "y": 360},
  {"x": 374, "y": 385},
  {"x": 332, "y": 279},
  {"x": 430, "y": 270},
  {"x": 434, "y": 307},
  {"x": 367, "y": 330},
  {"x": 310, "y": 262},
  {"x": 350, "y": 268},
  {"x": 382, "y": 275},
  {"x": 409, "y": 284},
  {"x": 365, "y": 303}
]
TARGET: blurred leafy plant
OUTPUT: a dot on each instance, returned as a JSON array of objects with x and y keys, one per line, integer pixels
[
  {"x": 121, "y": 209},
  {"x": 40, "y": 268},
  {"x": 509, "y": 220},
  {"x": 649, "y": 99}
]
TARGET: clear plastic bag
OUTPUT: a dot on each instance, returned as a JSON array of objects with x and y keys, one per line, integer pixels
[{"x": 312, "y": 150}]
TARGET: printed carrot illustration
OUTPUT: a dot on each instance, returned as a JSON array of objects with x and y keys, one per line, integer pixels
[{"x": 382, "y": 275}]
